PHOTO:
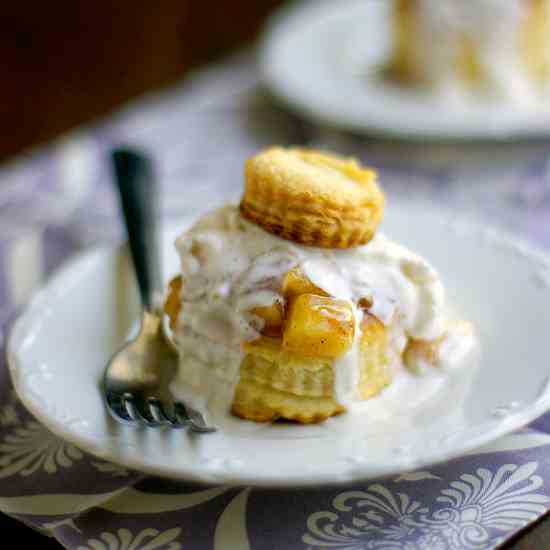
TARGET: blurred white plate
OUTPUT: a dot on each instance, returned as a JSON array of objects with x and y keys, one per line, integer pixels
[
  {"x": 322, "y": 58},
  {"x": 59, "y": 346}
]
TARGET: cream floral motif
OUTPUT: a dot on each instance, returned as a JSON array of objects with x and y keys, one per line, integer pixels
[
  {"x": 471, "y": 513},
  {"x": 123, "y": 539},
  {"x": 8, "y": 413},
  {"x": 31, "y": 448}
]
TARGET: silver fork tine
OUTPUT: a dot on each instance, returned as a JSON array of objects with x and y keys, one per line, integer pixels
[
  {"x": 127, "y": 401},
  {"x": 191, "y": 418},
  {"x": 181, "y": 415},
  {"x": 157, "y": 412},
  {"x": 117, "y": 408},
  {"x": 152, "y": 414},
  {"x": 198, "y": 422},
  {"x": 139, "y": 411}
]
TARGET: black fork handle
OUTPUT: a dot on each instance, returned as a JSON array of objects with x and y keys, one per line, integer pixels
[{"x": 138, "y": 193}]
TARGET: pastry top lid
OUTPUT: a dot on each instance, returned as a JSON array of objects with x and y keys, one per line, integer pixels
[{"x": 312, "y": 197}]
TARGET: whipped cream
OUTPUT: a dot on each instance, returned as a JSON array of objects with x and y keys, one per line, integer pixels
[
  {"x": 492, "y": 27},
  {"x": 230, "y": 266}
]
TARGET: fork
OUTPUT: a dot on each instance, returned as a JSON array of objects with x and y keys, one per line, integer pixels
[{"x": 136, "y": 379}]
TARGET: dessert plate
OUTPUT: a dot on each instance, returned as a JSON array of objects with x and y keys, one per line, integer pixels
[
  {"x": 59, "y": 346},
  {"x": 323, "y": 59}
]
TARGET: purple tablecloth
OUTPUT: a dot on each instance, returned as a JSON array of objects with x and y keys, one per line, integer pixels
[{"x": 59, "y": 199}]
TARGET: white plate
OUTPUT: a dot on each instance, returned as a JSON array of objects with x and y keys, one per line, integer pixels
[
  {"x": 322, "y": 58},
  {"x": 59, "y": 346}
]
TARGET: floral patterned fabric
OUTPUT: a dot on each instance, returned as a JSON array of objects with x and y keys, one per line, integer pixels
[{"x": 59, "y": 199}]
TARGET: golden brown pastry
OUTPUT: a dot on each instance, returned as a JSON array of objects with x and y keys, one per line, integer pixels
[
  {"x": 373, "y": 359},
  {"x": 276, "y": 384},
  {"x": 312, "y": 198}
]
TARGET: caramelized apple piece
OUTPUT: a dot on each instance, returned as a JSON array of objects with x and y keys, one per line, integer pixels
[
  {"x": 273, "y": 318},
  {"x": 319, "y": 326},
  {"x": 172, "y": 305},
  {"x": 296, "y": 283}
]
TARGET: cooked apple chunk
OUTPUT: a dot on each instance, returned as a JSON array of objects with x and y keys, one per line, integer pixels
[
  {"x": 296, "y": 283},
  {"x": 272, "y": 316},
  {"x": 319, "y": 326}
]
